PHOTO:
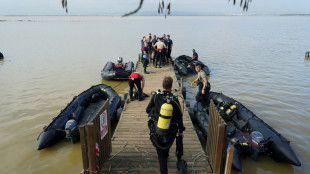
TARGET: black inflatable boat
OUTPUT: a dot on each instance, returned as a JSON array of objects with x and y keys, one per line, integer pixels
[
  {"x": 185, "y": 65},
  {"x": 78, "y": 112},
  {"x": 249, "y": 134},
  {"x": 112, "y": 71}
]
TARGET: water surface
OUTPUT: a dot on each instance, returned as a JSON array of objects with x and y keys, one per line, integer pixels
[{"x": 257, "y": 60}]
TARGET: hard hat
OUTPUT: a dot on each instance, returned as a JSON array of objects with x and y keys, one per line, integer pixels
[{"x": 119, "y": 59}]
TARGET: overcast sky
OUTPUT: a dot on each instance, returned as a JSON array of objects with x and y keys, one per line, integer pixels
[{"x": 178, "y": 7}]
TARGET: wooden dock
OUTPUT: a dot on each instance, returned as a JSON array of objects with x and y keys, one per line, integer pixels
[{"x": 132, "y": 150}]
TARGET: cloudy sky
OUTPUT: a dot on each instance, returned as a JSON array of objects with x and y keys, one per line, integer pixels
[{"x": 178, "y": 7}]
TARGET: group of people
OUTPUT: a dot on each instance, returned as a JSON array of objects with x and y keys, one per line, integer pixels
[{"x": 156, "y": 49}]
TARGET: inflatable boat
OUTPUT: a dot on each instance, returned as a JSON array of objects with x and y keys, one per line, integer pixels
[
  {"x": 249, "y": 134},
  {"x": 185, "y": 65},
  {"x": 119, "y": 71},
  {"x": 78, "y": 112}
]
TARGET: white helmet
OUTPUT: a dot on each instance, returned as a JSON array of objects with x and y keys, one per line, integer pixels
[{"x": 120, "y": 60}]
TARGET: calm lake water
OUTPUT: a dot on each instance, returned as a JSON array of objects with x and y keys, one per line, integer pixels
[{"x": 257, "y": 60}]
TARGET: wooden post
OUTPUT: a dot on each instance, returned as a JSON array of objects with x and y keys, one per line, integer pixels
[
  {"x": 90, "y": 135},
  {"x": 216, "y": 140},
  {"x": 91, "y": 148},
  {"x": 105, "y": 146},
  {"x": 84, "y": 149},
  {"x": 229, "y": 159},
  {"x": 219, "y": 149}
]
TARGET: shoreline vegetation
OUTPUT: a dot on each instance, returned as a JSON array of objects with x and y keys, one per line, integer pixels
[{"x": 25, "y": 18}]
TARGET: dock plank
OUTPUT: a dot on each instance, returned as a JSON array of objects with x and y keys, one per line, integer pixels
[{"x": 132, "y": 150}]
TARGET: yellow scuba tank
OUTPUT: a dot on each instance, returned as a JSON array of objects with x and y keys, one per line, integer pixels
[
  {"x": 230, "y": 112},
  {"x": 232, "y": 107},
  {"x": 164, "y": 119}
]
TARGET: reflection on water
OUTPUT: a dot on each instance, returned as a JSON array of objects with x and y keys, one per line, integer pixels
[
  {"x": 120, "y": 87},
  {"x": 257, "y": 60}
]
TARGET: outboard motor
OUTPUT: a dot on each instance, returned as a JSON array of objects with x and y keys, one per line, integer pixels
[
  {"x": 72, "y": 131},
  {"x": 257, "y": 144}
]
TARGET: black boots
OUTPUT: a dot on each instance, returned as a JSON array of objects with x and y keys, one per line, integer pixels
[{"x": 145, "y": 72}]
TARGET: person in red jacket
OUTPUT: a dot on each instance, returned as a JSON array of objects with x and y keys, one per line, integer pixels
[{"x": 136, "y": 81}]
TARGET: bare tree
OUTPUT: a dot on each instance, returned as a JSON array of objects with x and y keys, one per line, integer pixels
[{"x": 162, "y": 9}]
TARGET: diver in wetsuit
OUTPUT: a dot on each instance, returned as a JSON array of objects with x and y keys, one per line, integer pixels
[{"x": 162, "y": 134}]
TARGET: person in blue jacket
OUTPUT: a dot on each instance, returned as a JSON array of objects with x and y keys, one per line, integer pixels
[
  {"x": 169, "y": 48},
  {"x": 195, "y": 55},
  {"x": 154, "y": 51},
  {"x": 145, "y": 57}
]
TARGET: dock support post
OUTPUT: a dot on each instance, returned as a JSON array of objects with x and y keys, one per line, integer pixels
[
  {"x": 216, "y": 142},
  {"x": 91, "y": 148},
  {"x": 84, "y": 149},
  {"x": 229, "y": 159}
]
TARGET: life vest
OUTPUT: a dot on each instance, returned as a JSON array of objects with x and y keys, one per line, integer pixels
[
  {"x": 134, "y": 76},
  {"x": 118, "y": 66}
]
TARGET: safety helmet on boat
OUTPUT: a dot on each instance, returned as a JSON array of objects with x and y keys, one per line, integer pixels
[{"x": 120, "y": 60}]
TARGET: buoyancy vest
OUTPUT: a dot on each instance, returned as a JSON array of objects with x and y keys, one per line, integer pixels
[
  {"x": 118, "y": 66},
  {"x": 134, "y": 75}
]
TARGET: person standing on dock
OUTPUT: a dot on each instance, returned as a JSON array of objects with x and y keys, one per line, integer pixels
[
  {"x": 195, "y": 55},
  {"x": 160, "y": 52},
  {"x": 169, "y": 48},
  {"x": 154, "y": 53},
  {"x": 203, "y": 85},
  {"x": 150, "y": 45},
  {"x": 136, "y": 81},
  {"x": 142, "y": 44},
  {"x": 145, "y": 57},
  {"x": 165, "y": 121},
  {"x": 165, "y": 49}
]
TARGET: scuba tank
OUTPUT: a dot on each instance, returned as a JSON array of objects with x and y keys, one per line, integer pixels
[
  {"x": 165, "y": 114},
  {"x": 230, "y": 109},
  {"x": 227, "y": 110},
  {"x": 164, "y": 119}
]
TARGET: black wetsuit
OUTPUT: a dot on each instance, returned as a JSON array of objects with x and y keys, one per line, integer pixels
[
  {"x": 163, "y": 143},
  {"x": 203, "y": 98}
]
